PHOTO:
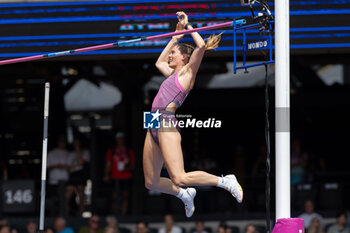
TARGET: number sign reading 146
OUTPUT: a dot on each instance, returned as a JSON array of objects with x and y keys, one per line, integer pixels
[{"x": 18, "y": 196}]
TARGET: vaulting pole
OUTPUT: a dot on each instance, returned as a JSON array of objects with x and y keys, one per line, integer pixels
[{"x": 118, "y": 43}]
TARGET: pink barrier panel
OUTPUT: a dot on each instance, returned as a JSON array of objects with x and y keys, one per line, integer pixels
[{"x": 289, "y": 225}]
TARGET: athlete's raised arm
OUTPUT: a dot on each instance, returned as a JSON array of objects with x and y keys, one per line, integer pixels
[
  {"x": 163, "y": 60},
  {"x": 201, "y": 46}
]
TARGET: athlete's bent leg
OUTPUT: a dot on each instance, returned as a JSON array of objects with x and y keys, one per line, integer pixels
[
  {"x": 152, "y": 165},
  {"x": 170, "y": 145}
]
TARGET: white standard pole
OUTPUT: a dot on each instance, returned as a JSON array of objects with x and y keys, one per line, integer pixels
[
  {"x": 282, "y": 103},
  {"x": 44, "y": 158}
]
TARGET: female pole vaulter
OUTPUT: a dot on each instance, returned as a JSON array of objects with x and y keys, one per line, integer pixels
[{"x": 179, "y": 63}]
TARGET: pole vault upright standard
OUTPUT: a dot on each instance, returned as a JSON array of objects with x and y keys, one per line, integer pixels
[
  {"x": 118, "y": 43},
  {"x": 44, "y": 157}
]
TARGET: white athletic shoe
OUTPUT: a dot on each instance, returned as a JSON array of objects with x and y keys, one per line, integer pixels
[
  {"x": 234, "y": 188},
  {"x": 189, "y": 205}
]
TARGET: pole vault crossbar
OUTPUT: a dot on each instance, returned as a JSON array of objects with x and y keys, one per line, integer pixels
[{"x": 119, "y": 43}]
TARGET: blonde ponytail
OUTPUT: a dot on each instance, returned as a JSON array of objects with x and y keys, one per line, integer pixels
[{"x": 212, "y": 42}]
